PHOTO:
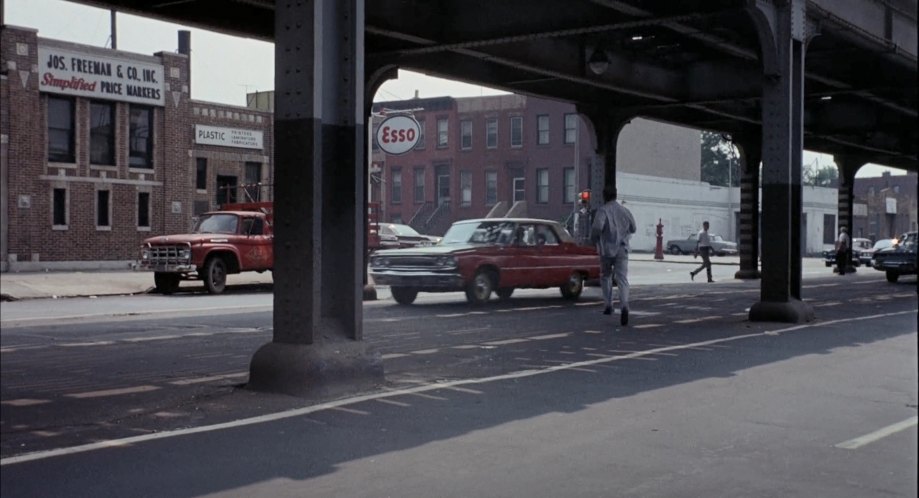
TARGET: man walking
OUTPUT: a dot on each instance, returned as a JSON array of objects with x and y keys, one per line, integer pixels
[
  {"x": 703, "y": 248},
  {"x": 842, "y": 250},
  {"x": 612, "y": 227}
]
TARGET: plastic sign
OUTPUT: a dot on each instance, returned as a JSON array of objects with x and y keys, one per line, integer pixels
[{"x": 398, "y": 134}]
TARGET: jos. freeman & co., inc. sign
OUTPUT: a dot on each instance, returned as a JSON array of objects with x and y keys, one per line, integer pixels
[{"x": 84, "y": 74}]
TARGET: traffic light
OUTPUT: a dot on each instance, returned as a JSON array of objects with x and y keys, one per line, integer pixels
[{"x": 585, "y": 196}]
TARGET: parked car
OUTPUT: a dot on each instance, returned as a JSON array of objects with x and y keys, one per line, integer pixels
[
  {"x": 898, "y": 259},
  {"x": 865, "y": 255},
  {"x": 395, "y": 235},
  {"x": 489, "y": 255},
  {"x": 720, "y": 247},
  {"x": 858, "y": 245}
]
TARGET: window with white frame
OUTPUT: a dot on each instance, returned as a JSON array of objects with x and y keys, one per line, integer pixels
[
  {"x": 491, "y": 188},
  {"x": 466, "y": 134},
  {"x": 418, "y": 185},
  {"x": 103, "y": 209},
  {"x": 466, "y": 188},
  {"x": 568, "y": 182},
  {"x": 102, "y": 133},
  {"x": 143, "y": 210},
  {"x": 61, "y": 130},
  {"x": 491, "y": 133},
  {"x": 542, "y": 185},
  {"x": 442, "y": 132},
  {"x": 140, "y": 137},
  {"x": 517, "y": 131},
  {"x": 60, "y": 211},
  {"x": 542, "y": 129},
  {"x": 396, "y": 193},
  {"x": 571, "y": 128}
]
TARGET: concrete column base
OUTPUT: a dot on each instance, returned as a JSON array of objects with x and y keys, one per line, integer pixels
[
  {"x": 747, "y": 275},
  {"x": 792, "y": 311},
  {"x": 315, "y": 371}
]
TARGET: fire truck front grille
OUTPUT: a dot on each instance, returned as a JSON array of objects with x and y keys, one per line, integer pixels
[{"x": 169, "y": 255}]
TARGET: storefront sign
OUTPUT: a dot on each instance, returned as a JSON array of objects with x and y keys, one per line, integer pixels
[
  {"x": 398, "y": 134},
  {"x": 82, "y": 74},
  {"x": 228, "y": 137}
]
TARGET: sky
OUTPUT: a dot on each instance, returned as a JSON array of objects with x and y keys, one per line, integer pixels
[{"x": 225, "y": 68}]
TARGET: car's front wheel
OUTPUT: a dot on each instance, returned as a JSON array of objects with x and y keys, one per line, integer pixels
[
  {"x": 573, "y": 287},
  {"x": 404, "y": 295},
  {"x": 479, "y": 290},
  {"x": 215, "y": 275},
  {"x": 892, "y": 276},
  {"x": 675, "y": 250}
]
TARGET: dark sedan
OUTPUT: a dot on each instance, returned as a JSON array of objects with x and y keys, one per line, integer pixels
[
  {"x": 899, "y": 259},
  {"x": 395, "y": 235}
]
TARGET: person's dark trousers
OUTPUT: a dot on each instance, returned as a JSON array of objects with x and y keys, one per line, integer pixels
[
  {"x": 705, "y": 252},
  {"x": 841, "y": 262}
]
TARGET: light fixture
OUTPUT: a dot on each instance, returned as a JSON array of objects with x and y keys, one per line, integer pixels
[{"x": 598, "y": 62}]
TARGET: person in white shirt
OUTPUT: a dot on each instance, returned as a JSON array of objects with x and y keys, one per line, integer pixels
[
  {"x": 703, "y": 248},
  {"x": 612, "y": 227},
  {"x": 842, "y": 250}
]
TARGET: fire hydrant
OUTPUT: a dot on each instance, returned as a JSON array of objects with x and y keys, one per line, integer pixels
[{"x": 659, "y": 248}]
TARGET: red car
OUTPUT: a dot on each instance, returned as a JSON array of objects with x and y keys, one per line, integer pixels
[{"x": 489, "y": 255}]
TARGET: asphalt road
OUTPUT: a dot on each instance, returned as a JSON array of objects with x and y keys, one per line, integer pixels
[{"x": 532, "y": 397}]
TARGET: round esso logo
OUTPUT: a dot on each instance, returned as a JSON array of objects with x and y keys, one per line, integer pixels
[{"x": 398, "y": 134}]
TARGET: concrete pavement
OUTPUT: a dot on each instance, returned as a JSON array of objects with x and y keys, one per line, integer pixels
[{"x": 59, "y": 284}]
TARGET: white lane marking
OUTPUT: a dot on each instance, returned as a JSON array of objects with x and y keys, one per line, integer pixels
[
  {"x": 85, "y": 344},
  {"x": 648, "y": 325},
  {"x": 700, "y": 319},
  {"x": 234, "y": 309},
  {"x": 25, "y": 402},
  {"x": 860, "y": 441},
  {"x": 390, "y": 356},
  {"x": 505, "y": 342},
  {"x": 199, "y": 380},
  {"x": 151, "y": 338},
  {"x": 112, "y": 392},
  {"x": 425, "y": 351},
  {"x": 419, "y": 390},
  {"x": 395, "y": 403},
  {"x": 548, "y": 336}
]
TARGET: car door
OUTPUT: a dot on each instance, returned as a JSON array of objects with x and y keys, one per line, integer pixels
[{"x": 254, "y": 246}]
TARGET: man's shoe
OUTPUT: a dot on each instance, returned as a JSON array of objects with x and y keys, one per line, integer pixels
[
  {"x": 624, "y": 319},
  {"x": 608, "y": 311},
  {"x": 692, "y": 276},
  {"x": 710, "y": 281}
]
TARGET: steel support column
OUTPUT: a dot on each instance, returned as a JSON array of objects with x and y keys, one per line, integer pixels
[
  {"x": 782, "y": 155},
  {"x": 751, "y": 155},
  {"x": 847, "y": 166},
  {"x": 319, "y": 190},
  {"x": 606, "y": 127}
]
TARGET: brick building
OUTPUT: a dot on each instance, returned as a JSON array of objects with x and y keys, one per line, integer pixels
[
  {"x": 884, "y": 206},
  {"x": 103, "y": 148}
]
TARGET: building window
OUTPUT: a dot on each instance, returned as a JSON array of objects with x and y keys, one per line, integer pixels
[
  {"x": 103, "y": 207},
  {"x": 201, "y": 173},
  {"x": 59, "y": 211},
  {"x": 253, "y": 179},
  {"x": 102, "y": 133},
  {"x": 568, "y": 182},
  {"x": 542, "y": 186},
  {"x": 442, "y": 130},
  {"x": 140, "y": 137},
  {"x": 491, "y": 188},
  {"x": 465, "y": 188},
  {"x": 418, "y": 193},
  {"x": 542, "y": 129},
  {"x": 143, "y": 210},
  {"x": 517, "y": 131},
  {"x": 491, "y": 133},
  {"x": 829, "y": 228},
  {"x": 226, "y": 189},
  {"x": 571, "y": 128},
  {"x": 396, "y": 194},
  {"x": 60, "y": 130},
  {"x": 420, "y": 143},
  {"x": 465, "y": 134}
]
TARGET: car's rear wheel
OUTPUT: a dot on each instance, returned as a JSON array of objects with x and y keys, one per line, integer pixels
[
  {"x": 573, "y": 287},
  {"x": 892, "y": 276},
  {"x": 215, "y": 275},
  {"x": 166, "y": 283},
  {"x": 404, "y": 295},
  {"x": 675, "y": 250},
  {"x": 479, "y": 290},
  {"x": 505, "y": 292}
]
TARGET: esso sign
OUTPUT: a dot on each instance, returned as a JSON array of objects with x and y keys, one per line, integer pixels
[{"x": 398, "y": 134}]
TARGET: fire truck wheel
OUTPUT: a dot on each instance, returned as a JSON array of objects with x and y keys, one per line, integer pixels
[
  {"x": 166, "y": 283},
  {"x": 215, "y": 275}
]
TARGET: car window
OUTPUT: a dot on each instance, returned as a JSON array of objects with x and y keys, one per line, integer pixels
[
  {"x": 405, "y": 231},
  {"x": 545, "y": 235},
  {"x": 385, "y": 230},
  {"x": 486, "y": 232},
  {"x": 217, "y": 223}
]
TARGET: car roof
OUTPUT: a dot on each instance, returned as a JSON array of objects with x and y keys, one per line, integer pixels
[{"x": 512, "y": 220}]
